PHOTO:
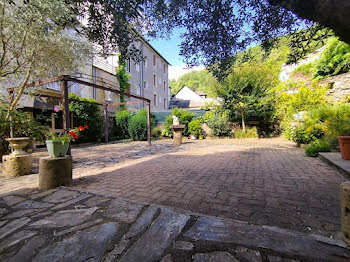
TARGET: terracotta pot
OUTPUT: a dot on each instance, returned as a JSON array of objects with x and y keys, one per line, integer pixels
[{"x": 344, "y": 144}]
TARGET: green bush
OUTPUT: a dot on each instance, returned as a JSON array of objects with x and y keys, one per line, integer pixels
[
  {"x": 184, "y": 118},
  {"x": 334, "y": 60},
  {"x": 333, "y": 120},
  {"x": 138, "y": 125},
  {"x": 294, "y": 97},
  {"x": 122, "y": 124},
  {"x": 87, "y": 114},
  {"x": 217, "y": 121},
  {"x": 302, "y": 136},
  {"x": 318, "y": 146},
  {"x": 195, "y": 127},
  {"x": 250, "y": 133},
  {"x": 156, "y": 133}
]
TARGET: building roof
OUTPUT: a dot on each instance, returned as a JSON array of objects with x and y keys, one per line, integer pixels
[{"x": 155, "y": 50}]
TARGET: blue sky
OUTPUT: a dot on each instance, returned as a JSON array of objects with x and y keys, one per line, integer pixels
[{"x": 170, "y": 49}]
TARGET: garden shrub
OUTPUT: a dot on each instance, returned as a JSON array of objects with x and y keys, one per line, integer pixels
[
  {"x": 156, "y": 133},
  {"x": 317, "y": 146},
  {"x": 250, "y": 133},
  {"x": 138, "y": 125},
  {"x": 217, "y": 121},
  {"x": 122, "y": 124},
  {"x": 301, "y": 135},
  {"x": 184, "y": 118},
  {"x": 87, "y": 114},
  {"x": 295, "y": 97},
  {"x": 195, "y": 127},
  {"x": 334, "y": 60}
]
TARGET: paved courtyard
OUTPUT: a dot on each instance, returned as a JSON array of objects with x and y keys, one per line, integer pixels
[
  {"x": 68, "y": 225},
  {"x": 262, "y": 182}
]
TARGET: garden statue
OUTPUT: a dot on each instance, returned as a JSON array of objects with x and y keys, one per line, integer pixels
[{"x": 175, "y": 120}]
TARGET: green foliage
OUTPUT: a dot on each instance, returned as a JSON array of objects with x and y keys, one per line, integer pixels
[
  {"x": 294, "y": 97},
  {"x": 138, "y": 125},
  {"x": 122, "y": 124},
  {"x": 195, "y": 127},
  {"x": 123, "y": 79},
  {"x": 197, "y": 81},
  {"x": 184, "y": 118},
  {"x": 87, "y": 114},
  {"x": 334, "y": 60},
  {"x": 333, "y": 120},
  {"x": 247, "y": 87},
  {"x": 317, "y": 146},
  {"x": 22, "y": 124},
  {"x": 303, "y": 136},
  {"x": 250, "y": 133},
  {"x": 217, "y": 121},
  {"x": 156, "y": 133},
  {"x": 304, "y": 69}
]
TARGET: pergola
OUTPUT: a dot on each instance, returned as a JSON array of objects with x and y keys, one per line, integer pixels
[{"x": 64, "y": 79}]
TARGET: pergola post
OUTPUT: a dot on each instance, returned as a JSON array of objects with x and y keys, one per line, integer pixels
[
  {"x": 148, "y": 124},
  {"x": 65, "y": 103},
  {"x": 106, "y": 124}
]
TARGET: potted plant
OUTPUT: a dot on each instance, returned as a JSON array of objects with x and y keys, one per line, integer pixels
[
  {"x": 195, "y": 128},
  {"x": 57, "y": 144}
]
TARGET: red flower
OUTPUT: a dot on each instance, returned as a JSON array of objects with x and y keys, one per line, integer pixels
[
  {"x": 80, "y": 128},
  {"x": 86, "y": 127},
  {"x": 74, "y": 135}
]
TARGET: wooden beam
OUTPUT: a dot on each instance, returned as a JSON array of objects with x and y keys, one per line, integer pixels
[
  {"x": 72, "y": 79},
  {"x": 126, "y": 103},
  {"x": 65, "y": 113},
  {"x": 148, "y": 124}
]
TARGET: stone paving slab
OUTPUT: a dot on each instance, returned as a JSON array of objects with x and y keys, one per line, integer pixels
[
  {"x": 335, "y": 159},
  {"x": 155, "y": 234}
]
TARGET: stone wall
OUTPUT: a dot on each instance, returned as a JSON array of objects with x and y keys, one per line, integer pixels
[{"x": 339, "y": 86}]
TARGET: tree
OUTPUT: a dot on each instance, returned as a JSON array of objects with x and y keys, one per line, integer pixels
[
  {"x": 247, "y": 87},
  {"x": 34, "y": 43},
  {"x": 197, "y": 81},
  {"x": 216, "y": 30}
]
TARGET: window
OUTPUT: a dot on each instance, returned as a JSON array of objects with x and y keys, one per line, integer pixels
[
  {"x": 145, "y": 62},
  {"x": 155, "y": 100},
  {"x": 137, "y": 67},
  {"x": 164, "y": 85},
  {"x": 154, "y": 60},
  {"x": 165, "y": 106},
  {"x": 144, "y": 84},
  {"x": 164, "y": 68},
  {"x": 154, "y": 79}
]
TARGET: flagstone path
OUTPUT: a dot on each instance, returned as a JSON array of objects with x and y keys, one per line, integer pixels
[{"x": 69, "y": 225}]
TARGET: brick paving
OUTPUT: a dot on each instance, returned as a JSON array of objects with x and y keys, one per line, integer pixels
[{"x": 263, "y": 182}]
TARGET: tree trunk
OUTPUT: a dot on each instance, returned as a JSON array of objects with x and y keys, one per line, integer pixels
[
  {"x": 20, "y": 93},
  {"x": 243, "y": 122},
  {"x": 330, "y": 13}
]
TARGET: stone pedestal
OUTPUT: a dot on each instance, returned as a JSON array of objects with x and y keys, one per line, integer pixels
[
  {"x": 54, "y": 172},
  {"x": 177, "y": 134},
  {"x": 345, "y": 210},
  {"x": 16, "y": 165}
]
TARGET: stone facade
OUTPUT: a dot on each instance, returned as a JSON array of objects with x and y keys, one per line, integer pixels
[
  {"x": 150, "y": 78},
  {"x": 339, "y": 86}
]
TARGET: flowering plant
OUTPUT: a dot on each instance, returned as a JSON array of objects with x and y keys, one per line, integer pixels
[{"x": 73, "y": 134}]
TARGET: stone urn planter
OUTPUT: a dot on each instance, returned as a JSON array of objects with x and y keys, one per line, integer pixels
[
  {"x": 57, "y": 148},
  {"x": 344, "y": 145},
  {"x": 18, "y": 143},
  {"x": 19, "y": 162}
]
